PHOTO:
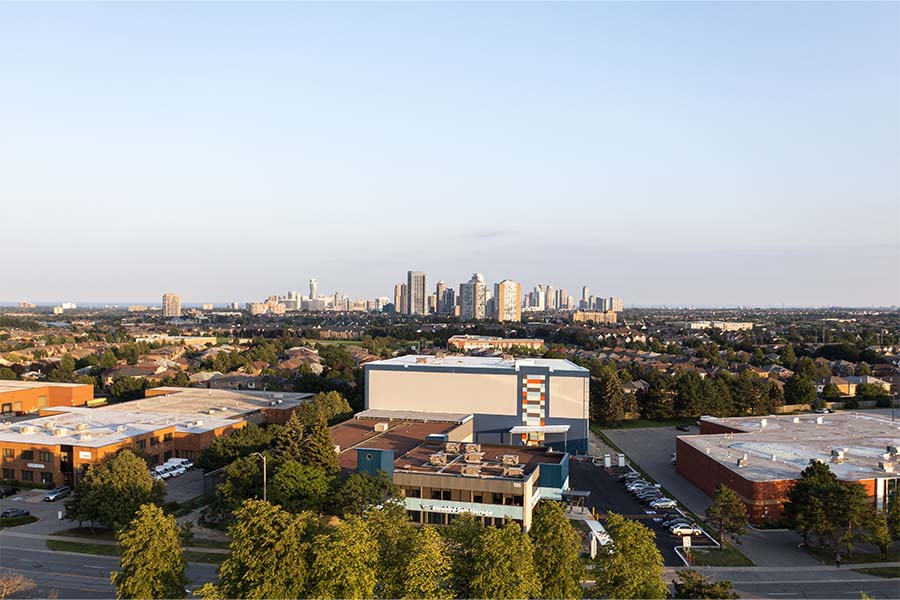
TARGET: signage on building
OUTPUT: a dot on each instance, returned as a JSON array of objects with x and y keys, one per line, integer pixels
[
  {"x": 84, "y": 455},
  {"x": 35, "y": 466},
  {"x": 455, "y": 510}
]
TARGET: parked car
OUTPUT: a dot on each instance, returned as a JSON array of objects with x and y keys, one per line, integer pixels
[
  {"x": 57, "y": 493},
  {"x": 184, "y": 463},
  {"x": 683, "y": 427},
  {"x": 8, "y": 491},
  {"x": 649, "y": 495},
  {"x": 162, "y": 471},
  {"x": 14, "y": 512},
  {"x": 676, "y": 521},
  {"x": 824, "y": 411},
  {"x": 663, "y": 503},
  {"x": 174, "y": 470},
  {"x": 685, "y": 529},
  {"x": 637, "y": 484},
  {"x": 630, "y": 476}
]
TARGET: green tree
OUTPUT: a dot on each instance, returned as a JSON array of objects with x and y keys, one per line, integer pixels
[
  {"x": 299, "y": 487},
  {"x": 693, "y": 584},
  {"x": 7, "y": 374},
  {"x": 151, "y": 565},
  {"x": 688, "y": 394},
  {"x": 727, "y": 514},
  {"x": 504, "y": 565},
  {"x": 799, "y": 390},
  {"x": 556, "y": 552},
  {"x": 879, "y": 532},
  {"x": 634, "y": 567},
  {"x": 223, "y": 450},
  {"x": 428, "y": 569},
  {"x": 862, "y": 368},
  {"x": 612, "y": 399},
  {"x": 462, "y": 536},
  {"x": 806, "y": 501},
  {"x": 345, "y": 565},
  {"x": 64, "y": 372},
  {"x": 831, "y": 392},
  {"x": 241, "y": 480},
  {"x": 361, "y": 491},
  {"x": 108, "y": 360},
  {"x": 113, "y": 490},
  {"x": 289, "y": 444},
  {"x": 788, "y": 358},
  {"x": 396, "y": 542},
  {"x": 128, "y": 388},
  {"x": 269, "y": 553},
  {"x": 851, "y": 510},
  {"x": 893, "y": 517},
  {"x": 320, "y": 451}
]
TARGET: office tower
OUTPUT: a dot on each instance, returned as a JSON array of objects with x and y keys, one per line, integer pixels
[
  {"x": 432, "y": 304},
  {"x": 472, "y": 298},
  {"x": 562, "y": 299},
  {"x": 507, "y": 301},
  {"x": 539, "y": 297},
  {"x": 439, "y": 290},
  {"x": 415, "y": 287},
  {"x": 404, "y": 299},
  {"x": 447, "y": 302},
  {"x": 171, "y": 305},
  {"x": 398, "y": 297},
  {"x": 313, "y": 288},
  {"x": 571, "y": 303},
  {"x": 615, "y": 304},
  {"x": 550, "y": 298},
  {"x": 586, "y": 303}
]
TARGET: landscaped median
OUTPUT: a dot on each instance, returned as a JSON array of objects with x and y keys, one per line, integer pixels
[{"x": 16, "y": 521}]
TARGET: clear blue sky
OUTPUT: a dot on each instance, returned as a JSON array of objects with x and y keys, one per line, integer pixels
[{"x": 707, "y": 154}]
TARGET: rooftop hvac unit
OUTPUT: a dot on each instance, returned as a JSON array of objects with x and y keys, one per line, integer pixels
[
  {"x": 887, "y": 467},
  {"x": 820, "y": 420},
  {"x": 212, "y": 411},
  {"x": 26, "y": 429},
  {"x": 337, "y": 448},
  {"x": 421, "y": 360},
  {"x": 473, "y": 447},
  {"x": 892, "y": 449},
  {"x": 439, "y": 459},
  {"x": 381, "y": 427},
  {"x": 85, "y": 436},
  {"x": 189, "y": 424},
  {"x": 198, "y": 423},
  {"x": 473, "y": 457},
  {"x": 49, "y": 424},
  {"x": 451, "y": 447},
  {"x": 60, "y": 431},
  {"x": 763, "y": 422},
  {"x": 837, "y": 455},
  {"x": 795, "y": 420},
  {"x": 279, "y": 401},
  {"x": 510, "y": 459},
  {"x": 471, "y": 470},
  {"x": 80, "y": 426},
  {"x": 513, "y": 471},
  {"x": 742, "y": 462}
]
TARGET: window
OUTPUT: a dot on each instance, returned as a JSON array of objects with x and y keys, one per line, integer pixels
[
  {"x": 498, "y": 499},
  {"x": 17, "y": 406},
  {"x": 413, "y": 493},
  {"x": 46, "y": 477},
  {"x": 435, "y": 494},
  {"x": 477, "y": 498},
  {"x": 9, "y": 474},
  {"x": 9, "y": 453},
  {"x": 46, "y": 456},
  {"x": 154, "y": 441},
  {"x": 142, "y": 444},
  {"x": 27, "y": 475},
  {"x": 167, "y": 455},
  {"x": 167, "y": 437},
  {"x": 188, "y": 454},
  {"x": 27, "y": 455},
  {"x": 445, "y": 494},
  {"x": 42, "y": 402}
]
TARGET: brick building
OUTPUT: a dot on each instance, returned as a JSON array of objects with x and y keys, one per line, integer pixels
[{"x": 22, "y": 397}]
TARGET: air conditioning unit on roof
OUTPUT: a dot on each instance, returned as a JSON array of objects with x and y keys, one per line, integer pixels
[
  {"x": 451, "y": 447},
  {"x": 473, "y": 447},
  {"x": 510, "y": 459},
  {"x": 471, "y": 470},
  {"x": 439, "y": 459}
]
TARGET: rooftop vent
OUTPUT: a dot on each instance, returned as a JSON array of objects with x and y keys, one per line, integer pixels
[
  {"x": 277, "y": 396},
  {"x": 892, "y": 449},
  {"x": 26, "y": 429},
  {"x": 60, "y": 431},
  {"x": 510, "y": 459},
  {"x": 439, "y": 459},
  {"x": 198, "y": 423},
  {"x": 887, "y": 467},
  {"x": 795, "y": 420},
  {"x": 451, "y": 447},
  {"x": 742, "y": 462},
  {"x": 189, "y": 424},
  {"x": 837, "y": 455},
  {"x": 473, "y": 457},
  {"x": 763, "y": 422},
  {"x": 85, "y": 436},
  {"x": 473, "y": 447},
  {"x": 49, "y": 424},
  {"x": 421, "y": 360},
  {"x": 211, "y": 411},
  {"x": 80, "y": 426},
  {"x": 820, "y": 420},
  {"x": 121, "y": 429},
  {"x": 471, "y": 470},
  {"x": 513, "y": 471},
  {"x": 381, "y": 427}
]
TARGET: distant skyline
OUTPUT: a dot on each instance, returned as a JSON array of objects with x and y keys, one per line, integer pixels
[{"x": 706, "y": 154}]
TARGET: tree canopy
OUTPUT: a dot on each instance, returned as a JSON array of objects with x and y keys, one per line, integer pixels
[
  {"x": 151, "y": 565},
  {"x": 556, "y": 552},
  {"x": 633, "y": 566}
]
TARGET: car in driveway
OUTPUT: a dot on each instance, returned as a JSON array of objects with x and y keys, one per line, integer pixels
[
  {"x": 14, "y": 512},
  {"x": 8, "y": 491},
  {"x": 663, "y": 503},
  {"x": 57, "y": 493},
  {"x": 685, "y": 529}
]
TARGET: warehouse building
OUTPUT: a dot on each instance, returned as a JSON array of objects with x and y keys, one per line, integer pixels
[
  {"x": 528, "y": 402},
  {"x": 23, "y": 397},
  {"x": 56, "y": 447},
  {"x": 761, "y": 457},
  {"x": 442, "y": 474}
]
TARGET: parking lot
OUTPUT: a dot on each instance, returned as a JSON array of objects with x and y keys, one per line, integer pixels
[{"x": 608, "y": 494}]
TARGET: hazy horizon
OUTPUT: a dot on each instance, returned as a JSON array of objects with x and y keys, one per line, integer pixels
[{"x": 671, "y": 154}]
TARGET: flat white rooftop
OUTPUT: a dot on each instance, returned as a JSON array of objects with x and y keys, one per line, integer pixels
[
  {"x": 9, "y": 386},
  {"x": 477, "y": 363},
  {"x": 783, "y": 446}
]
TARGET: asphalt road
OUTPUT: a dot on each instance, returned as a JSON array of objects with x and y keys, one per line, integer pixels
[
  {"x": 71, "y": 575},
  {"x": 808, "y": 582}
]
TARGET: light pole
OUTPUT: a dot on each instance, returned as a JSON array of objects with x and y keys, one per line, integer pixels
[{"x": 263, "y": 457}]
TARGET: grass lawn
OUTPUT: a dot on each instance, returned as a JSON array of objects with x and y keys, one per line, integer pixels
[
  {"x": 859, "y": 556},
  {"x": 726, "y": 557},
  {"x": 16, "y": 521},
  {"x": 98, "y": 533},
  {"x": 110, "y": 550},
  {"x": 637, "y": 423},
  {"x": 888, "y": 572}
]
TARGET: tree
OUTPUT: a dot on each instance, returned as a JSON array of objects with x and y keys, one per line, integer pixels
[
  {"x": 113, "y": 490},
  {"x": 428, "y": 569},
  {"x": 633, "y": 568},
  {"x": 612, "y": 399},
  {"x": 727, "y": 514},
  {"x": 289, "y": 444},
  {"x": 241, "y": 481},
  {"x": 64, "y": 372},
  {"x": 692, "y": 584},
  {"x": 799, "y": 390},
  {"x": 831, "y": 392},
  {"x": 12, "y": 583},
  {"x": 893, "y": 518},
  {"x": 361, "y": 491},
  {"x": 268, "y": 558},
  {"x": 788, "y": 358},
  {"x": 128, "y": 388},
  {"x": 504, "y": 565},
  {"x": 862, "y": 369},
  {"x": 688, "y": 394},
  {"x": 7, "y": 374},
  {"x": 320, "y": 451},
  {"x": 396, "y": 542},
  {"x": 108, "y": 360},
  {"x": 462, "y": 536},
  {"x": 879, "y": 532},
  {"x": 805, "y": 509},
  {"x": 345, "y": 562},
  {"x": 224, "y": 450},
  {"x": 851, "y": 510},
  {"x": 151, "y": 565},
  {"x": 299, "y": 487},
  {"x": 556, "y": 552}
]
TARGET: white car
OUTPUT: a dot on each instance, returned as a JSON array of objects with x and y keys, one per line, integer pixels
[
  {"x": 663, "y": 503},
  {"x": 636, "y": 484},
  {"x": 162, "y": 471},
  {"x": 682, "y": 529}
]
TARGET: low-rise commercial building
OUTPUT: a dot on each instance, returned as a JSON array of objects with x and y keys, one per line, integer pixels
[
  {"x": 531, "y": 402},
  {"x": 760, "y": 458},
  {"x": 469, "y": 343},
  {"x": 608, "y": 317},
  {"x": 22, "y": 397}
]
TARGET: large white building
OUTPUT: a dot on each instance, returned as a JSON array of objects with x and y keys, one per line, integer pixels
[
  {"x": 415, "y": 287},
  {"x": 528, "y": 401},
  {"x": 473, "y": 299},
  {"x": 507, "y": 301},
  {"x": 171, "y": 305}
]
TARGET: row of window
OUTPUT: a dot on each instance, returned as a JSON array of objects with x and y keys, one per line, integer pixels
[
  {"x": 43, "y": 455},
  {"x": 464, "y": 496},
  {"x": 154, "y": 441},
  {"x": 434, "y": 518},
  {"x": 26, "y": 475}
]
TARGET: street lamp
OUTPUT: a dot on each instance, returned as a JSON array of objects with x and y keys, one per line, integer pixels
[{"x": 263, "y": 457}]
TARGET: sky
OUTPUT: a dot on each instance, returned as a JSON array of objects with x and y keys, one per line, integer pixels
[{"x": 708, "y": 154}]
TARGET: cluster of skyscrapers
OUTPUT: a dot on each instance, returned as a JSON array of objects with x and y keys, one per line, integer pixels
[{"x": 475, "y": 301}]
